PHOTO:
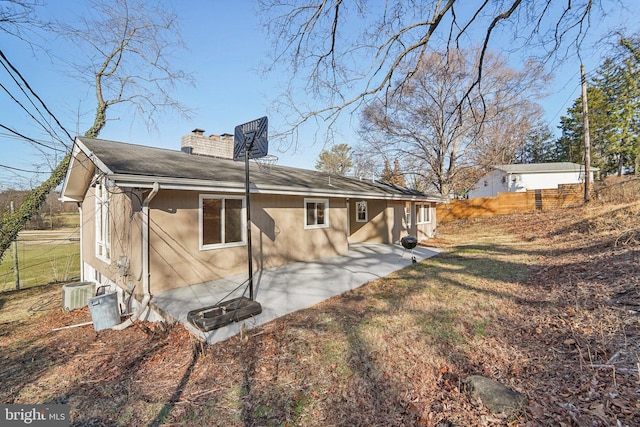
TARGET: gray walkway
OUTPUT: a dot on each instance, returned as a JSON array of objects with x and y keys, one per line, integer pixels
[{"x": 290, "y": 287}]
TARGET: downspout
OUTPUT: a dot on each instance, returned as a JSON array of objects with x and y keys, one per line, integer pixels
[
  {"x": 348, "y": 225},
  {"x": 145, "y": 261},
  {"x": 81, "y": 231}
]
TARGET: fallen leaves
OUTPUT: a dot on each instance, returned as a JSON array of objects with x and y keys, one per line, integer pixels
[{"x": 394, "y": 352}]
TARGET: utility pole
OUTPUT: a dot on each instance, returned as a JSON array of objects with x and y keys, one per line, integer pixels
[
  {"x": 16, "y": 270},
  {"x": 587, "y": 143}
]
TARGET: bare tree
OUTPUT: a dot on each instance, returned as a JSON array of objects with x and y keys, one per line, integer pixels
[
  {"x": 19, "y": 17},
  {"x": 350, "y": 51},
  {"x": 365, "y": 163},
  {"x": 127, "y": 46},
  {"x": 504, "y": 137},
  {"x": 439, "y": 130}
]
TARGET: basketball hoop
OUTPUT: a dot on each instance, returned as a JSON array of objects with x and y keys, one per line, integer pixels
[{"x": 265, "y": 162}]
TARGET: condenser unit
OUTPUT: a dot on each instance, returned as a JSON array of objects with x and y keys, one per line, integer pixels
[{"x": 76, "y": 295}]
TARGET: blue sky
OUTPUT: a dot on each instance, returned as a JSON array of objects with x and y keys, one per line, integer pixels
[{"x": 226, "y": 47}]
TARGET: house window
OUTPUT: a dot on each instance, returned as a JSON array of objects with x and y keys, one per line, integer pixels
[
  {"x": 504, "y": 179},
  {"x": 423, "y": 213},
  {"x": 103, "y": 219},
  {"x": 361, "y": 211},
  {"x": 486, "y": 183},
  {"x": 222, "y": 221},
  {"x": 316, "y": 213}
]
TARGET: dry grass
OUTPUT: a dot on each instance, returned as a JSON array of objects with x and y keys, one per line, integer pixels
[{"x": 546, "y": 303}]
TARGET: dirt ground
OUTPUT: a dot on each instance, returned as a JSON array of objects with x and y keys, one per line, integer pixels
[{"x": 546, "y": 303}]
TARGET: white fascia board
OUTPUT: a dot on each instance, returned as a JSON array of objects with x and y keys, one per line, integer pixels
[
  {"x": 79, "y": 155},
  {"x": 129, "y": 181},
  {"x": 96, "y": 161},
  {"x": 70, "y": 199},
  {"x": 134, "y": 181},
  {"x": 62, "y": 198},
  {"x": 291, "y": 191}
]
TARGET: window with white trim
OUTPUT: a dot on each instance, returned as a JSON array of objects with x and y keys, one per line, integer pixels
[
  {"x": 316, "y": 213},
  {"x": 222, "y": 221},
  {"x": 407, "y": 214},
  {"x": 423, "y": 213},
  {"x": 361, "y": 211},
  {"x": 102, "y": 220}
]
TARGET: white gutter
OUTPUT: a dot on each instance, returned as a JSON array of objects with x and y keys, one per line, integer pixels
[
  {"x": 81, "y": 231},
  {"x": 199, "y": 185},
  {"x": 145, "y": 261}
]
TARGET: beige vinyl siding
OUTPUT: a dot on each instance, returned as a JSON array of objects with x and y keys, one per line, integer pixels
[
  {"x": 125, "y": 223},
  {"x": 278, "y": 237},
  {"x": 386, "y": 222},
  {"x": 375, "y": 229}
]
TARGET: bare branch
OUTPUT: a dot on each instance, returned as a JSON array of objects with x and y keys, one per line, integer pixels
[
  {"x": 128, "y": 46},
  {"x": 426, "y": 125},
  {"x": 384, "y": 43}
]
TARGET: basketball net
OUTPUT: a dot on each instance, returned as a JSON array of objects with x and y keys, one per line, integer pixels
[{"x": 265, "y": 163}]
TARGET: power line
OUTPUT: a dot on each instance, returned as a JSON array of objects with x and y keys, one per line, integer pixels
[
  {"x": 42, "y": 124},
  {"x": 18, "y": 134},
  {"x": 19, "y": 170},
  {"x": 576, "y": 82},
  {"x": 26, "y": 84}
]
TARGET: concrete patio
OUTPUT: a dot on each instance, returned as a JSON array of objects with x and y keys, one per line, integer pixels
[{"x": 290, "y": 287}]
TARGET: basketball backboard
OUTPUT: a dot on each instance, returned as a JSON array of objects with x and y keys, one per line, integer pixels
[{"x": 252, "y": 138}]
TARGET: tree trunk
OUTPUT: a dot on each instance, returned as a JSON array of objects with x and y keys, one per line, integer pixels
[
  {"x": 620, "y": 164},
  {"x": 16, "y": 221}
]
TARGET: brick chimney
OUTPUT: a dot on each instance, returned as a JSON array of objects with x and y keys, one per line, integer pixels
[{"x": 213, "y": 145}]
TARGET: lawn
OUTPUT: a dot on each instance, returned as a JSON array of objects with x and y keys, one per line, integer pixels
[
  {"x": 546, "y": 303},
  {"x": 44, "y": 256}
]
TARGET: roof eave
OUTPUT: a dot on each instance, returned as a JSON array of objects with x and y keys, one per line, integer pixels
[
  {"x": 79, "y": 174},
  {"x": 169, "y": 183}
]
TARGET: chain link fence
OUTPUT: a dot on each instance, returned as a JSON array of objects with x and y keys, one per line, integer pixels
[{"x": 42, "y": 257}]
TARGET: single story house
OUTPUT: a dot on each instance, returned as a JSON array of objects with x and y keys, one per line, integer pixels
[
  {"x": 533, "y": 176},
  {"x": 156, "y": 219}
]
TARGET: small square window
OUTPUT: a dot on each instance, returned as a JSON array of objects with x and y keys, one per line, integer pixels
[{"x": 361, "y": 211}]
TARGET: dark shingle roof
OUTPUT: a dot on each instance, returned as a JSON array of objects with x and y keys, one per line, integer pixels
[{"x": 128, "y": 162}]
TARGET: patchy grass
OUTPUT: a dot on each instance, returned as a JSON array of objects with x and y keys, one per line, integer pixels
[
  {"x": 545, "y": 303},
  {"x": 43, "y": 257}
]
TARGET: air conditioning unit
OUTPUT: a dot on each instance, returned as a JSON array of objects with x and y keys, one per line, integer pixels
[{"x": 76, "y": 295}]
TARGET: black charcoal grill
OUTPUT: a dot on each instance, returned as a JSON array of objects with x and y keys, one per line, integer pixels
[{"x": 409, "y": 243}]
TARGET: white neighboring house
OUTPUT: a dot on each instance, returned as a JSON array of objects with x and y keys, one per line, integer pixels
[{"x": 533, "y": 176}]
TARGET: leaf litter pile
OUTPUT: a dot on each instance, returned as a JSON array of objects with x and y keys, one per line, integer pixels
[{"x": 546, "y": 303}]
